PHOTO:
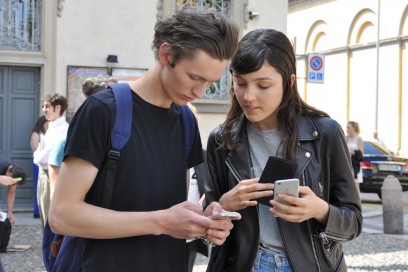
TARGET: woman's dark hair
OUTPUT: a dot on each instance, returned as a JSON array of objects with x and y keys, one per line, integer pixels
[
  {"x": 191, "y": 28},
  {"x": 39, "y": 125},
  {"x": 271, "y": 46}
]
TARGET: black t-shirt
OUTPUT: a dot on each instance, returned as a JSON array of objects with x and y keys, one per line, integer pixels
[
  {"x": 151, "y": 175},
  {"x": 4, "y": 165}
]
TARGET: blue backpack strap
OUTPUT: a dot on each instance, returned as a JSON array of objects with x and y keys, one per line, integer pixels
[
  {"x": 120, "y": 136},
  {"x": 123, "y": 122},
  {"x": 189, "y": 128}
]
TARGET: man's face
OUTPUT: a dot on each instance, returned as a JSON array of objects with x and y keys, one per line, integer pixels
[
  {"x": 189, "y": 78},
  {"x": 51, "y": 113}
]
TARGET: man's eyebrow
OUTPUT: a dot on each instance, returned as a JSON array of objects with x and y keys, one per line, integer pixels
[{"x": 197, "y": 76}]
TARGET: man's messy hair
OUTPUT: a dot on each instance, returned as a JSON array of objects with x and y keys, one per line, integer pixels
[{"x": 96, "y": 84}]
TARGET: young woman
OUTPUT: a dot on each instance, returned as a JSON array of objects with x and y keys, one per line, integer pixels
[
  {"x": 355, "y": 146},
  {"x": 268, "y": 118},
  {"x": 36, "y": 135}
]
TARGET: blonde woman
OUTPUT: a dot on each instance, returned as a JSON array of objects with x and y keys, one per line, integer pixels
[{"x": 356, "y": 149}]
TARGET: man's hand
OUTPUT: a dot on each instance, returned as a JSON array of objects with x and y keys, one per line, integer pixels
[
  {"x": 7, "y": 181},
  {"x": 187, "y": 221},
  {"x": 11, "y": 218},
  {"x": 219, "y": 229}
]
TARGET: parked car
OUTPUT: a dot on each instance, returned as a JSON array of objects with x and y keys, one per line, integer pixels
[{"x": 378, "y": 163}]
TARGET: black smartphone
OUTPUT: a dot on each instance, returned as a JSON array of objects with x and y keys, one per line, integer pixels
[{"x": 276, "y": 169}]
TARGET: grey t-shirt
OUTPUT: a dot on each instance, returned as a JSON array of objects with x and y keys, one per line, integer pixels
[{"x": 262, "y": 144}]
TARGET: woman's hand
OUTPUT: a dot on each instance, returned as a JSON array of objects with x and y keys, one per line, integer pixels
[
  {"x": 307, "y": 206},
  {"x": 245, "y": 194}
]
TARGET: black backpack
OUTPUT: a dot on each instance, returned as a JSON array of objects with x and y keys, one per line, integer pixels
[{"x": 64, "y": 253}]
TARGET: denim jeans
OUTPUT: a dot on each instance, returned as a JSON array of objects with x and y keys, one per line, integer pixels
[{"x": 272, "y": 262}]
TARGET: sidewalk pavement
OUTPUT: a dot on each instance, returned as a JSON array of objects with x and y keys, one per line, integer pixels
[{"x": 371, "y": 251}]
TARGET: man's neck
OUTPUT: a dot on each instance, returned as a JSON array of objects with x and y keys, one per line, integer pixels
[{"x": 150, "y": 88}]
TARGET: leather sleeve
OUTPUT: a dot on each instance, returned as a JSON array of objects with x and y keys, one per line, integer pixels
[{"x": 345, "y": 217}]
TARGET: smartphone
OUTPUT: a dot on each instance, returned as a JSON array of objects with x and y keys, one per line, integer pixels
[
  {"x": 18, "y": 179},
  {"x": 276, "y": 169},
  {"x": 286, "y": 186},
  {"x": 224, "y": 215}
]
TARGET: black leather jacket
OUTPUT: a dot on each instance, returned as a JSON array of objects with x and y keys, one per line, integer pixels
[{"x": 323, "y": 165}]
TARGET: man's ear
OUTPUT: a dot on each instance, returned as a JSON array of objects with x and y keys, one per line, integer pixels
[
  {"x": 166, "y": 55},
  {"x": 57, "y": 108}
]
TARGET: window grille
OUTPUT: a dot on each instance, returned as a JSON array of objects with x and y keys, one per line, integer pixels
[{"x": 20, "y": 25}]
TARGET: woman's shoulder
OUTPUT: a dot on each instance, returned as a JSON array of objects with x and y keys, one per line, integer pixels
[
  {"x": 216, "y": 134},
  {"x": 323, "y": 124}
]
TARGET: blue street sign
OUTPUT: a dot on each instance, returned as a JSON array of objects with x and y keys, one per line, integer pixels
[{"x": 315, "y": 68}]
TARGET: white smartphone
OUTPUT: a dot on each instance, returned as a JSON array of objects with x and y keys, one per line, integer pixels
[
  {"x": 224, "y": 215},
  {"x": 286, "y": 186}
]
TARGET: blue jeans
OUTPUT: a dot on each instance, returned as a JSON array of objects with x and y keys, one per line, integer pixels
[{"x": 272, "y": 262}]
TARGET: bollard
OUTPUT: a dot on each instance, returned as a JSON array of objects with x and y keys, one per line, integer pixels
[{"x": 393, "y": 215}]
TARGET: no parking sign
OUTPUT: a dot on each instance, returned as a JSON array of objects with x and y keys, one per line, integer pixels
[{"x": 315, "y": 68}]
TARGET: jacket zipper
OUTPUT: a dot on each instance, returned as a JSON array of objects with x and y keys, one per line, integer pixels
[
  {"x": 305, "y": 183},
  {"x": 232, "y": 169},
  {"x": 238, "y": 178}
]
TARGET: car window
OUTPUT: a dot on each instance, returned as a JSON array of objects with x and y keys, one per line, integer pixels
[{"x": 371, "y": 149}]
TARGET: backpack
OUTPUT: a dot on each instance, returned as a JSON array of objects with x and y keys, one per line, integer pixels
[{"x": 64, "y": 253}]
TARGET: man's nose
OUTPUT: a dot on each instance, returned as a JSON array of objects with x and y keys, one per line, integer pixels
[{"x": 199, "y": 90}]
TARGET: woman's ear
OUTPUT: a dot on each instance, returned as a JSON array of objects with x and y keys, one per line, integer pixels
[
  {"x": 166, "y": 55},
  {"x": 292, "y": 79}
]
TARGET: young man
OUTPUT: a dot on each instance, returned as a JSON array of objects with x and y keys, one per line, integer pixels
[
  {"x": 54, "y": 106},
  {"x": 8, "y": 173},
  {"x": 149, "y": 220}
]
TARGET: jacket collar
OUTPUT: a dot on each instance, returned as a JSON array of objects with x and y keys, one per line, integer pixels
[
  {"x": 308, "y": 131},
  {"x": 239, "y": 158}
]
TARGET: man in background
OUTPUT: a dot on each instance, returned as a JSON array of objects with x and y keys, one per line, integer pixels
[
  {"x": 10, "y": 174},
  {"x": 378, "y": 139},
  {"x": 54, "y": 106}
]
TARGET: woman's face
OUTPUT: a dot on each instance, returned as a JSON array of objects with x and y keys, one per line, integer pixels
[
  {"x": 259, "y": 94},
  {"x": 351, "y": 130}
]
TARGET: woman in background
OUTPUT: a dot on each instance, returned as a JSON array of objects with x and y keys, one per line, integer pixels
[
  {"x": 37, "y": 133},
  {"x": 355, "y": 146}
]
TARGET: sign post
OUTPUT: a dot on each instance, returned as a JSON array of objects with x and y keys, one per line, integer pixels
[{"x": 315, "y": 68}]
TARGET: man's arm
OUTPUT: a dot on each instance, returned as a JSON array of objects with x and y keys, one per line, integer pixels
[
  {"x": 11, "y": 195},
  {"x": 71, "y": 215}
]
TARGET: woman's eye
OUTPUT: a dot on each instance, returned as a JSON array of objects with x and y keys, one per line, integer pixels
[{"x": 240, "y": 83}]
